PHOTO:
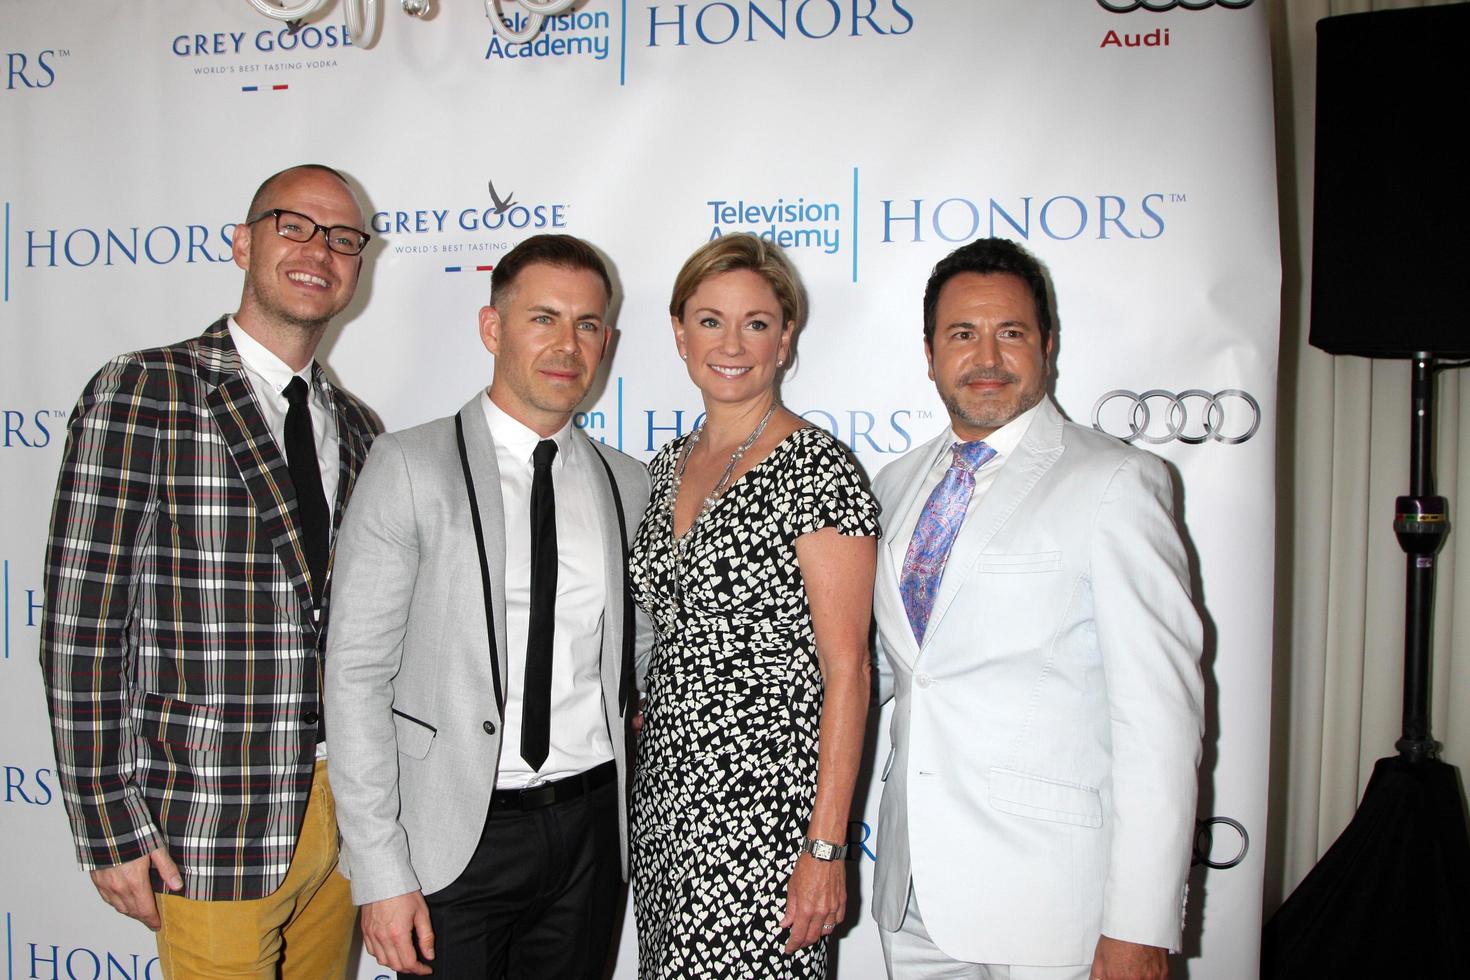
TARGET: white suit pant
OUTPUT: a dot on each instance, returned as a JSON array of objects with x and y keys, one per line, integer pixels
[{"x": 910, "y": 954}]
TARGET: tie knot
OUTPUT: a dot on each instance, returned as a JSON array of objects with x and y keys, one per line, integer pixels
[
  {"x": 970, "y": 456},
  {"x": 544, "y": 454},
  {"x": 296, "y": 391}
]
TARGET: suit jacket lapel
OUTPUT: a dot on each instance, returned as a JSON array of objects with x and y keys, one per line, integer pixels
[
  {"x": 248, "y": 439},
  {"x": 907, "y": 478},
  {"x": 352, "y": 447},
  {"x": 1038, "y": 450},
  {"x": 613, "y": 563},
  {"x": 480, "y": 447},
  {"x": 910, "y": 477}
]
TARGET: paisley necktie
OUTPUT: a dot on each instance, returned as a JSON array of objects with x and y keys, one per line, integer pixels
[{"x": 944, "y": 512}]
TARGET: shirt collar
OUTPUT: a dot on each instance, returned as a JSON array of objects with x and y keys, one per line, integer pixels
[
  {"x": 260, "y": 360},
  {"x": 519, "y": 440},
  {"x": 1003, "y": 440}
]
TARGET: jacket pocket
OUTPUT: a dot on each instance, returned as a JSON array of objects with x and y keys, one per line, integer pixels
[
  {"x": 1040, "y": 561},
  {"x": 414, "y": 736},
  {"x": 1045, "y": 799},
  {"x": 181, "y": 724},
  {"x": 888, "y": 764}
]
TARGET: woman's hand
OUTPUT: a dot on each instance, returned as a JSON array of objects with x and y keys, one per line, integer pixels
[{"x": 816, "y": 900}]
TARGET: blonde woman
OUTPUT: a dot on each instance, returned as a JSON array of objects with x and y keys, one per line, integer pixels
[{"x": 755, "y": 561}]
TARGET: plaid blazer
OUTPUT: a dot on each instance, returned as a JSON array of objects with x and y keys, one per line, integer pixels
[{"x": 177, "y": 643}]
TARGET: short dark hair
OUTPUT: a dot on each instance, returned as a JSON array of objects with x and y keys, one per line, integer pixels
[
  {"x": 257, "y": 203},
  {"x": 989, "y": 257},
  {"x": 559, "y": 250}
]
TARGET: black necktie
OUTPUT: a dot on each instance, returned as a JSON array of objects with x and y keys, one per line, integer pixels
[
  {"x": 313, "y": 524},
  {"x": 536, "y": 697}
]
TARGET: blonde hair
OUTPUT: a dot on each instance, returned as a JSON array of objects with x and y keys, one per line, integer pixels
[{"x": 742, "y": 251}]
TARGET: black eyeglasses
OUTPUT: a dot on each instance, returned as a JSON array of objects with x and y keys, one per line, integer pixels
[{"x": 299, "y": 228}]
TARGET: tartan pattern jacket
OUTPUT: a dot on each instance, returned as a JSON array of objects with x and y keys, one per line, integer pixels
[{"x": 177, "y": 644}]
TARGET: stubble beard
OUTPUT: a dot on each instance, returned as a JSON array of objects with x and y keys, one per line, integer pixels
[
  {"x": 551, "y": 399},
  {"x": 996, "y": 415},
  {"x": 279, "y": 315}
]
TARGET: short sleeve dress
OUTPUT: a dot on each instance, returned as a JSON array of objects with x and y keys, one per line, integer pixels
[{"x": 727, "y": 761}]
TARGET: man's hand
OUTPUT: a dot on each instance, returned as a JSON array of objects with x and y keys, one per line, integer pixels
[
  {"x": 1119, "y": 960},
  {"x": 127, "y": 888},
  {"x": 389, "y": 928}
]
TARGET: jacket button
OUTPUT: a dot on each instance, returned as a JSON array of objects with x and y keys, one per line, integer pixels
[
  {"x": 309, "y": 718},
  {"x": 923, "y": 680},
  {"x": 489, "y": 727}
]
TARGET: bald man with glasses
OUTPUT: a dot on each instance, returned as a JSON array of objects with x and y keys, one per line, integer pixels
[{"x": 187, "y": 578}]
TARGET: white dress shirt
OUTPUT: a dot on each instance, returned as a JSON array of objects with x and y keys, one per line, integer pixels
[
  {"x": 579, "y": 736},
  {"x": 269, "y": 376},
  {"x": 1003, "y": 440}
]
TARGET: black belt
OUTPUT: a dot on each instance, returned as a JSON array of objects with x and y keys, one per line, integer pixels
[{"x": 535, "y": 797}]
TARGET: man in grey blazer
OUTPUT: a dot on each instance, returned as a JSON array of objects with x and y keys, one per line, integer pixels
[
  {"x": 1039, "y": 639},
  {"x": 480, "y": 670}
]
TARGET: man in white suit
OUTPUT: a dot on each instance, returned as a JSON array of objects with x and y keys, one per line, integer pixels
[
  {"x": 480, "y": 669},
  {"x": 1036, "y": 628}
]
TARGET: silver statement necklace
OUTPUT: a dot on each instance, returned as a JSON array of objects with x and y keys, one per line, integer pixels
[{"x": 721, "y": 485}]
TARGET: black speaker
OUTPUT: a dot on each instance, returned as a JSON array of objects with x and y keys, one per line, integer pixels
[{"x": 1391, "y": 218}]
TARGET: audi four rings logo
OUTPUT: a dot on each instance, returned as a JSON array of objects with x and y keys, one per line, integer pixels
[
  {"x": 1205, "y": 841},
  {"x": 1128, "y": 6},
  {"x": 1193, "y": 416}
]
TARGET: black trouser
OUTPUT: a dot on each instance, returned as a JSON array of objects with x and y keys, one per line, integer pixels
[{"x": 538, "y": 898}]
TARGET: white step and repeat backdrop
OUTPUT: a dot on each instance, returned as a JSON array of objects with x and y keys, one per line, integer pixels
[{"x": 1128, "y": 144}]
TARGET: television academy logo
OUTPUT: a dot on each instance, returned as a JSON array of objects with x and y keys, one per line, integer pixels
[
  {"x": 792, "y": 223},
  {"x": 590, "y": 34},
  {"x": 813, "y": 220},
  {"x": 1194, "y": 416},
  {"x": 26, "y": 70},
  {"x": 575, "y": 34}
]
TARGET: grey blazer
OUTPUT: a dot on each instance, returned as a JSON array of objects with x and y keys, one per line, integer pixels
[{"x": 410, "y": 696}]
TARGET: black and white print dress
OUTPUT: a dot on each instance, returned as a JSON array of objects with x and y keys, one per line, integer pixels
[{"x": 727, "y": 762}]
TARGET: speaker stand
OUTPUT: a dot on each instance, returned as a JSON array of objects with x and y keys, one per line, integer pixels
[{"x": 1391, "y": 897}]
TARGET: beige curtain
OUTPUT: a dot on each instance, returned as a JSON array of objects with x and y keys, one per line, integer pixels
[{"x": 1343, "y": 457}]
